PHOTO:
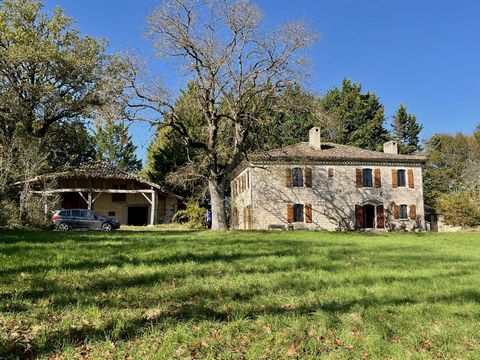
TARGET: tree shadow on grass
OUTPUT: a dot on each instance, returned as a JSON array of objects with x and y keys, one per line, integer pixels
[{"x": 231, "y": 257}]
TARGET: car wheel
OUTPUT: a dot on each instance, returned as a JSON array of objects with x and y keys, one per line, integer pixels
[
  {"x": 107, "y": 227},
  {"x": 63, "y": 227}
]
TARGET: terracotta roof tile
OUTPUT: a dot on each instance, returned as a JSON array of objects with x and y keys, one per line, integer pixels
[
  {"x": 100, "y": 170},
  {"x": 330, "y": 152}
]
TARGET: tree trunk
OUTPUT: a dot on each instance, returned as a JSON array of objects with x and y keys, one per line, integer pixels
[{"x": 217, "y": 197}]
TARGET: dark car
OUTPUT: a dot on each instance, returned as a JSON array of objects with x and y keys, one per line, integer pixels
[{"x": 65, "y": 220}]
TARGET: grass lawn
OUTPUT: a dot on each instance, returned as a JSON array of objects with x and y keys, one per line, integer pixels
[{"x": 242, "y": 295}]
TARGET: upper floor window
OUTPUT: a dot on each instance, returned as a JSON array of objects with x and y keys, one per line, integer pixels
[
  {"x": 402, "y": 212},
  {"x": 298, "y": 213},
  {"x": 401, "y": 178},
  {"x": 367, "y": 180},
  {"x": 297, "y": 177}
]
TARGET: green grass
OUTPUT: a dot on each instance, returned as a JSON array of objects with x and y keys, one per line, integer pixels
[{"x": 241, "y": 295}]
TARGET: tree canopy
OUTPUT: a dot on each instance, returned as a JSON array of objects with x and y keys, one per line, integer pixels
[
  {"x": 360, "y": 117},
  {"x": 407, "y": 131},
  {"x": 49, "y": 72}
]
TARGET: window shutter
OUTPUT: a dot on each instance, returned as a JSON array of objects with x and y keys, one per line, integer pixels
[
  {"x": 308, "y": 213},
  {"x": 394, "y": 178},
  {"x": 290, "y": 213},
  {"x": 380, "y": 217},
  {"x": 395, "y": 211},
  {"x": 359, "y": 216},
  {"x": 358, "y": 173},
  {"x": 308, "y": 177},
  {"x": 413, "y": 212},
  {"x": 378, "y": 178},
  {"x": 288, "y": 177},
  {"x": 410, "y": 178}
]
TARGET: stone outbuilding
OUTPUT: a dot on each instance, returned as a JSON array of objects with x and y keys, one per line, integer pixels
[
  {"x": 109, "y": 191},
  {"x": 317, "y": 185}
]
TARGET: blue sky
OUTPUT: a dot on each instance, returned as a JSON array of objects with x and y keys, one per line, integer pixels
[{"x": 422, "y": 53}]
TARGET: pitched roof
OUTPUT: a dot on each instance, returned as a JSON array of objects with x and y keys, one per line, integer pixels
[
  {"x": 99, "y": 170},
  {"x": 330, "y": 152}
]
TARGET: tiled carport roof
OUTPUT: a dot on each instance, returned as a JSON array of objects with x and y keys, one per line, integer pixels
[{"x": 99, "y": 170}]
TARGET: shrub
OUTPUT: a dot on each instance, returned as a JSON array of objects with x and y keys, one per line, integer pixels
[
  {"x": 193, "y": 216},
  {"x": 9, "y": 214},
  {"x": 460, "y": 208}
]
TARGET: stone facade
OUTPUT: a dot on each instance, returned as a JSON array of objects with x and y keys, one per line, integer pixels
[{"x": 332, "y": 195}]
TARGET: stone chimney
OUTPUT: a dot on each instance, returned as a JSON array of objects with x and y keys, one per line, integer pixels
[
  {"x": 390, "y": 147},
  {"x": 314, "y": 138}
]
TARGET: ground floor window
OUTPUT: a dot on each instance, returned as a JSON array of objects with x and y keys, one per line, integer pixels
[
  {"x": 298, "y": 213},
  {"x": 402, "y": 212}
]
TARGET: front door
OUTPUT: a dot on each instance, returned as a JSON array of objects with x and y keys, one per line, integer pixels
[{"x": 369, "y": 216}]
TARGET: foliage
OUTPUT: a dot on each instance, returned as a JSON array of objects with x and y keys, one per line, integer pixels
[
  {"x": 114, "y": 145},
  {"x": 68, "y": 144},
  {"x": 287, "y": 119},
  {"x": 252, "y": 295},
  {"x": 452, "y": 166},
  {"x": 406, "y": 130},
  {"x": 360, "y": 117},
  {"x": 460, "y": 208},
  {"x": 9, "y": 214},
  {"x": 49, "y": 72},
  {"x": 193, "y": 216}
]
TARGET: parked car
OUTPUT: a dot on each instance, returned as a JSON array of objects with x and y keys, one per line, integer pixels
[{"x": 65, "y": 220}]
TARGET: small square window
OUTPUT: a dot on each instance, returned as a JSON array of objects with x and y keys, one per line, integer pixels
[
  {"x": 111, "y": 213},
  {"x": 330, "y": 172}
]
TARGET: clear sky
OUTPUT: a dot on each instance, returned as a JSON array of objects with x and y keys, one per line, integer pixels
[{"x": 422, "y": 53}]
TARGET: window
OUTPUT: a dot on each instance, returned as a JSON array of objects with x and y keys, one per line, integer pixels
[
  {"x": 402, "y": 212},
  {"x": 75, "y": 213},
  {"x": 367, "y": 178},
  {"x": 330, "y": 172},
  {"x": 297, "y": 177},
  {"x": 298, "y": 213},
  {"x": 401, "y": 178}
]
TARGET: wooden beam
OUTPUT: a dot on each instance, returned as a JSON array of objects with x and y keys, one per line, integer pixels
[
  {"x": 83, "y": 197},
  {"x": 148, "y": 199},
  {"x": 152, "y": 211},
  {"x": 100, "y": 191}
]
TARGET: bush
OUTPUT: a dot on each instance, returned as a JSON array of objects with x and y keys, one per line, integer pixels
[
  {"x": 9, "y": 214},
  {"x": 460, "y": 208},
  {"x": 193, "y": 216}
]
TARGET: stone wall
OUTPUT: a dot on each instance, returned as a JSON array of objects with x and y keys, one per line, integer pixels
[{"x": 333, "y": 199}]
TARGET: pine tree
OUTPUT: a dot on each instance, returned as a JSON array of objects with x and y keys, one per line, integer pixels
[
  {"x": 360, "y": 117},
  {"x": 406, "y": 130},
  {"x": 114, "y": 145}
]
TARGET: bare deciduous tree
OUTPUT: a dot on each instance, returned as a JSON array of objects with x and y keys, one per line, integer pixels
[{"x": 235, "y": 65}]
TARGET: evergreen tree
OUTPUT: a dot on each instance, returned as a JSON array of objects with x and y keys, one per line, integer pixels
[
  {"x": 406, "y": 130},
  {"x": 360, "y": 117},
  {"x": 114, "y": 145}
]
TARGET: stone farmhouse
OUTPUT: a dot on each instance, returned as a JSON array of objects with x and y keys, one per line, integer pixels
[
  {"x": 109, "y": 191},
  {"x": 315, "y": 185}
]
